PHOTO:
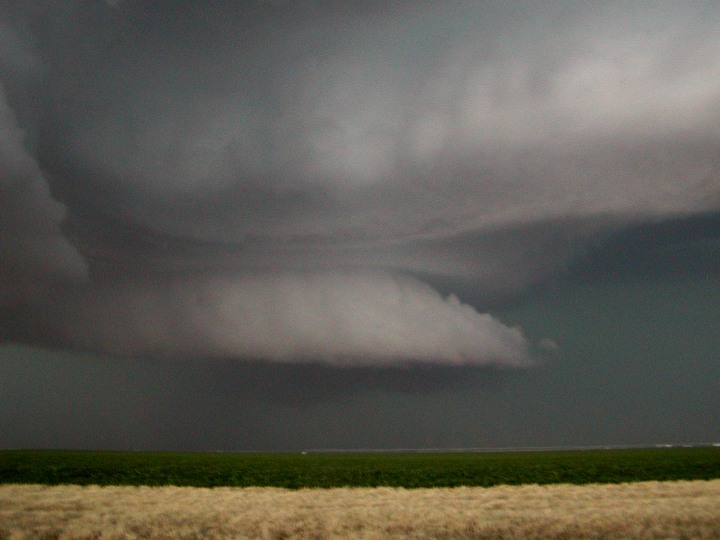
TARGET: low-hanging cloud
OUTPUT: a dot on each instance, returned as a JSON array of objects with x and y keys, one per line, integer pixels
[
  {"x": 259, "y": 179},
  {"x": 340, "y": 318}
]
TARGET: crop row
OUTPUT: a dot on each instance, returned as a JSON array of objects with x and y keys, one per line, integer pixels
[{"x": 360, "y": 470}]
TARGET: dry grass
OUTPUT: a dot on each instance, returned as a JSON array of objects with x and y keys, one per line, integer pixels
[{"x": 638, "y": 510}]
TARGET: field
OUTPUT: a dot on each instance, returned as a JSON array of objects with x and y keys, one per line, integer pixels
[
  {"x": 637, "y": 510},
  {"x": 650, "y": 493},
  {"x": 421, "y": 470}
]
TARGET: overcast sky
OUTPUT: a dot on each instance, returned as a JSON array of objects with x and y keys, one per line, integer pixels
[{"x": 284, "y": 225}]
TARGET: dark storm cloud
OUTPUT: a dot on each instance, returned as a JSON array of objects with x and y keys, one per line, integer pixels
[
  {"x": 34, "y": 249},
  {"x": 262, "y": 179},
  {"x": 424, "y": 122}
]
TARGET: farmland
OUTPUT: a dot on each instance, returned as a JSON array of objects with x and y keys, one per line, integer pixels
[
  {"x": 321, "y": 470},
  {"x": 636, "y": 510},
  {"x": 641, "y": 493}
]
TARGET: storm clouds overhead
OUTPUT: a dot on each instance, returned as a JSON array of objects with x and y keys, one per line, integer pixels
[{"x": 356, "y": 185}]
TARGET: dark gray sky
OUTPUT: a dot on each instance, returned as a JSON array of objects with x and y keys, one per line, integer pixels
[{"x": 285, "y": 225}]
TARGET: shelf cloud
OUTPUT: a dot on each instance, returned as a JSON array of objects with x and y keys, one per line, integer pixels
[
  {"x": 282, "y": 181},
  {"x": 345, "y": 318}
]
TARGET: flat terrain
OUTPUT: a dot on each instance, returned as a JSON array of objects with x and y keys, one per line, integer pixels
[
  {"x": 420, "y": 470},
  {"x": 637, "y": 510},
  {"x": 641, "y": 493}
]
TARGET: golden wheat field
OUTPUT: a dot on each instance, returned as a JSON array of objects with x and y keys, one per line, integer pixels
[{"x": 637, "y": 510}]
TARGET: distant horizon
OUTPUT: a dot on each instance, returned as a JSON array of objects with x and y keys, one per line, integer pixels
[{"x": 371, "y": 450}]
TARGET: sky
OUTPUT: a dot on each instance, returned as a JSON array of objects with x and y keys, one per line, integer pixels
[{"x": 271, "y": 225}]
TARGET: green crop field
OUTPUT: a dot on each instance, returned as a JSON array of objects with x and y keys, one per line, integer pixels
[{"x": 412, "y": 470}]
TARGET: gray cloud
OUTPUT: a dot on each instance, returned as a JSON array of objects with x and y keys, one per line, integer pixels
[
  {"x": 35, "y": 252},
  {"x": 421, "y": 124},
  {"x": 34, "y": 249},
  {"x": 339, "y": 318},
  {"x": 260, "y": 179}
]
